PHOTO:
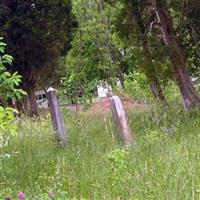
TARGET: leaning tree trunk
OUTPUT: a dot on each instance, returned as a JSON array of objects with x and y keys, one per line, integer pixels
[
  {"x": 177, "y": 57},
  {"x": 149, "y": 69}
]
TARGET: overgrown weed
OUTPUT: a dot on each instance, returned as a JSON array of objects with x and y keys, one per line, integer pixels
[{"x": 164, "y": 163}]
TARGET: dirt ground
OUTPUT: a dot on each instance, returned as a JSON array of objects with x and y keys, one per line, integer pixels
[
  {"x": 98, "y": 106},
  {"x": 104, "y": 104}
]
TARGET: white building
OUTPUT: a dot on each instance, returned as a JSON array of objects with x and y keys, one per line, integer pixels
[
  {"x": 102, "y": 91},
  {"x": 41, "y": 99}
]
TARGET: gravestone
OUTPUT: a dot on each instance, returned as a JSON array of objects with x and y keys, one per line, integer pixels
[
  {"x": 121, "y": 120},
  {"x": 56, "y": 116}
]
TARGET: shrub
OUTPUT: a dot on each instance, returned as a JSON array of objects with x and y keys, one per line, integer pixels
[
  {"x": 9, "y": 88},
  {"x": 136, "y": 85}
]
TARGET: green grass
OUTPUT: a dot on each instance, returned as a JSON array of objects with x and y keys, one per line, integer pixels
[{"x": 163, "y": 164}]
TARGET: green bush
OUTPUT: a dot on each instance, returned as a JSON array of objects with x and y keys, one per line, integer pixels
[
  {"x": 172, "y": 92},
  {"x": 9, "y": 88},
  {"x": 136, "y": 85}
]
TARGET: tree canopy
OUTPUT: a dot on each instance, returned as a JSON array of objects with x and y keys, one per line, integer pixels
[
  {"x": 37, "y": 33},
  {"x": 113, "y": 40}
]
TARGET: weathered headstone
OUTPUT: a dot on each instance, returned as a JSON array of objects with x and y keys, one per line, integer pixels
[
  {"x": 121, "y": 121},
  {"x": 56, "y": 116}
]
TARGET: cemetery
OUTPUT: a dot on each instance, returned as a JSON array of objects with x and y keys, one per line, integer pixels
[{"x": 99, "y": 100}]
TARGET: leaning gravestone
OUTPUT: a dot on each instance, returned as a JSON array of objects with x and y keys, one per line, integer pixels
[
  {"x": 56, "y": 116},
  {"x": 121, "y": 121}
]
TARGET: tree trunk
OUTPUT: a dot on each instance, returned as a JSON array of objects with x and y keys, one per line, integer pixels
[
  {"x": 156, "y": 89},
  {"x": 20, "y": 107},
  {"x": 29, "y": 101},
  {"x": 33, "y": 108},
  {"x": 10, "y": 103},
  {"x": 149, "y": 68},
  {"x": 177, "y": 57}
]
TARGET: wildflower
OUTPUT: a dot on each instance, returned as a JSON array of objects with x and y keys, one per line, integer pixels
[
  {"x": 21, "y": 195},
  {"x": 51, "y": 195}
]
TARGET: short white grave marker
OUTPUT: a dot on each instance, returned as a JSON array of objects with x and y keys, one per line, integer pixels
[{"x": 121, "y": 121}]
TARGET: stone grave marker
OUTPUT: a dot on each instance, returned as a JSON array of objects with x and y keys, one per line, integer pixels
[
  {"x": 121, "y": 120},
  {"x": 57, "y": 117}
]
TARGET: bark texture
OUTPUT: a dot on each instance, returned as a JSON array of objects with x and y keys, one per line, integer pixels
[
  {"x": 32, "y": 103},
  {"x": 29, "y": 104},
  {"x": 177, "y": 57}
]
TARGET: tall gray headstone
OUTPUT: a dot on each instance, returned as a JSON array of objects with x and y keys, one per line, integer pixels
[
  {"x": 121, "y": 120},
  {"x": 56, "y": 116}
]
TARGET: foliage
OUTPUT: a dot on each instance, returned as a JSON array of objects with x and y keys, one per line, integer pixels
[
  {"x": 164, "y": 163},
  {"x": 140, "y": 24},
  {"x": 136, "y": 86},
  {"x": 145, "y": 50},
  {"x": 172, "y": 93},
  {"x": 95, "y": 55},
  {"x": 77, "y": 91},
  {"x": 49, "y": 38},
  {"x": 118, "y": 171},
  {"x": 7, "y": 117},
  {"x": 9, "y": 88},
  {"x": 7, "y": 125},
  {"x": 9, "y": 83},
  {"x": 187, "y": 17},
  {"x": 37, "y": 34}
]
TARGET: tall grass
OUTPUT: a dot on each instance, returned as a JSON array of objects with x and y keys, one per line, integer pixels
[{"x": 163, "y": 164}]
